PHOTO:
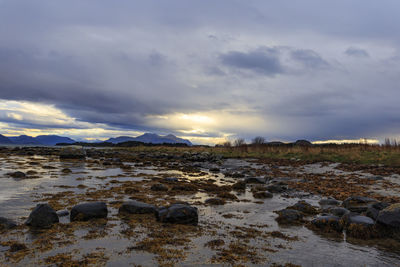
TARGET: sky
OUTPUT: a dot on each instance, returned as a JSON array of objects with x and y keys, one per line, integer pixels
[{"x": 204, "y": 70}]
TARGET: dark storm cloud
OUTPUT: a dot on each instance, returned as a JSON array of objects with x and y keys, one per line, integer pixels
[
  {"x": 117, "y": 63},
  {"x": 356, "y": 52},
  {"x": 309, "y": 59},
  {"x": 263, "y": 60}
]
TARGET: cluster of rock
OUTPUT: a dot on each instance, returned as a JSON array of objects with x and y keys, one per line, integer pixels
[
  {"x": 358, "y": 216},
  {"x": 44, "y": 216}
]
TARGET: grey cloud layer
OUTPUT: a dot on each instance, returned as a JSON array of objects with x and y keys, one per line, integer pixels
[{"x": 313, "y": 69}]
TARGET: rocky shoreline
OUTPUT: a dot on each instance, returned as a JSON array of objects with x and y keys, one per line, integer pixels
[{"x": 191, "y": 208}]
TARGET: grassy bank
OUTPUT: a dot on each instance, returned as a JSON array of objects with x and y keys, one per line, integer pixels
[{"x": 360, "y": 154}]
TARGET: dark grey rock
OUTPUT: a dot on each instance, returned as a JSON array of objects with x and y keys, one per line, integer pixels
[
  {"x": 289, "y": 216},
  {"x": 262, "y": 194},
  {"x": 17, "y": 175},
  {"x": 255, "y": 180},
  {"x": 43, "y": 216},
  {"x": 7, "y": 223},
  {"x": 327, "y": 222},
  {"x": 215, "y": 201},
  {"x": 275, "y": 188},
  {"x": 374, "y": 209},
  {"x": 137, "y": 207},
  {"x": 339, "y": 211},
  {"x": 178, "y": 213},
  {"x": 87, "y": 211},
  {"x": 171, "y": 179},
  {"x": 357, "y": 219},
  {"x": 304, "y": 207},
  {"x": 358, "y": 203},
  {"x": 159, "y": 187},
  {"x": 390, "y": 216}
]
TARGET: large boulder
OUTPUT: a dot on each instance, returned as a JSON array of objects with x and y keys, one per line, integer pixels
[
  {"x": 327, "y": 223},
  {"x": 137, "y": 207},
  {"x": 17, "y": 175},
  {"x": 87, "y": 211},
  {"x": 359, "y": 226},
  {"x": 72, "y": 153},
  {"x": 338, "y": 211},
  {"x": 304, "y": 207},
  {"x": 374, "y": 209},
  {"x": 390, "y": 216},
  {"x": 6, "y": 223},
  {"x": 178, "y": 213},
  {"x": 289, "y": 216},
  {"x": 43, "y": 216},
  {"x": 358, "y": 203}
]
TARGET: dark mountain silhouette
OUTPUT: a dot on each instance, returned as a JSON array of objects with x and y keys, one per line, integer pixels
[
  {"x": 52, "y": 140},
  {"x": 47, "y": 140},
  {"x": 4, "y": 140},
  {"x": 24, "y": 140},
  {"x": 151, "y": 139}
]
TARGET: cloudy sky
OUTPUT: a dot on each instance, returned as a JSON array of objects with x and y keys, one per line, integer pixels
[{"x": 205, "y": 70}]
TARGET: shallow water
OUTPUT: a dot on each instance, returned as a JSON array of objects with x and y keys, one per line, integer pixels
[{"x": 17, "y": 196}]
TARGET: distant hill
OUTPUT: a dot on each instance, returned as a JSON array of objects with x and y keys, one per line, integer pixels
[
  {"x": 24, "y": 140},
  {"x": 5, "y": 140},
  {"x": 52, "y": 140},
  {"x": 47, "y": 140},
  {"x": 151, "y": 139},
  {"x": 120, "y": 139}
]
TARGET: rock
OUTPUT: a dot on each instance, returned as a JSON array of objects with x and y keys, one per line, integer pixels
[
  {"x": 327, "y": 223},
  {"x": 66, "y": 171},
  {"x": 358, "y": 203},
  {"x": 72, "y": 153},
  {"x": 43, "y": 216},
  {"x": 171, "y": 179},
  {"x": 262, "y": 194},
  {"x": 239, "y": 186},
  {"x": 178, "y": 213},
  {"x": 6, "y": 223},
  {"x": 390, "y": 216},
  {"x": 17, "y": 175},
  {"x": 374, "y": 209},
  {"x": 137, "y": 207},
  {"x": 214, "y": 169},
  {"x": 338, "y": 211},
  {"x": 304, "y": 207},
  {"x": 215, "y": 201},
  {"x": 357, "y": 219},
  {"x": 159, "y": 187},
  {"x": 289, "y": 216},
  {"x": 87, "y": 211},
  {"x": 359, "y": 226},
  {"x": 276, "y": 188},
  {"x": 329, "y": 202},
  {"x": 62, "y": 213},
  {"x": 254, "y": 180}
]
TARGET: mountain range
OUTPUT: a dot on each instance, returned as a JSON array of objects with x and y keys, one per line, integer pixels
[
  {"x": 51, "y": 140},
  {"x": 151, "y": 139}
]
